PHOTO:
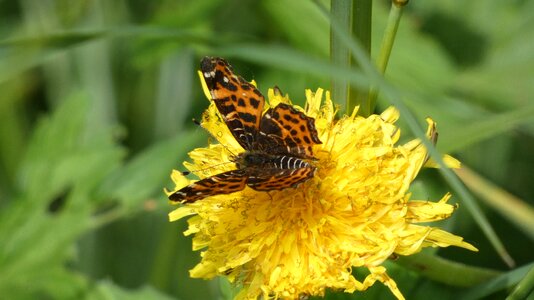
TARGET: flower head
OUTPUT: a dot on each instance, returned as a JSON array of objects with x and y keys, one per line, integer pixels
[{"x": 355, "y": 213}]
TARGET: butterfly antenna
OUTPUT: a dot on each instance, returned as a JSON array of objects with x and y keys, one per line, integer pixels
[
  {"x": 185, "y": 173},
  {"x": 198, "y": 123}
]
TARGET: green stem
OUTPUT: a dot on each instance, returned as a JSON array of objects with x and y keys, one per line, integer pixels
[
  {"x": 355, "y": 17},
  {"x": 362, "y": 12},
  {"x": 339, "y": 52},
  {"x": 390, "y": 32},
  {"x": 446, "y": 271}
]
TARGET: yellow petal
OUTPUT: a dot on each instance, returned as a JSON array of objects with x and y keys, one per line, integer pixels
[{"x": 449, "y": 161}]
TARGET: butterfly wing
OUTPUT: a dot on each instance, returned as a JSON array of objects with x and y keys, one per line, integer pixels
[
  {"x": 279, "y": 179},
  {"x": 224, "y": 183},
  {"x": 239, "y": 102},
  {"x": 285, "y": 130}
]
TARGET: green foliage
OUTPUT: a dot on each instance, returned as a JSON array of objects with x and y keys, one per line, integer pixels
[{"x": 95, "y": 111}]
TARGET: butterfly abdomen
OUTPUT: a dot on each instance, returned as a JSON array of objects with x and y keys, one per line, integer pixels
[{"x": 262, "y": 160}]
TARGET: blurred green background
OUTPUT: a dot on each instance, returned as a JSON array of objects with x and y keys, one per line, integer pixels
[{"x": 96, "y": 103}]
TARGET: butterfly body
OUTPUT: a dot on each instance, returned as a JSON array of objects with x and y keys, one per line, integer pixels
[
  {"x": 278, "y": 142},
  {"x": 262, "y": 160}
]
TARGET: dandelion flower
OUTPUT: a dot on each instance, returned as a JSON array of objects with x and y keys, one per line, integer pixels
[{"x": 354, "y": 213}]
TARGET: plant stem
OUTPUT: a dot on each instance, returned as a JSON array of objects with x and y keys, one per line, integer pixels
[
  {"x": 362, "y": 12},
  {"x": 390, "y": 33},
  {"x": 446, "y": 271},
  {"x": 355, "y": 17},
  {"x": 339, "y": 52}
]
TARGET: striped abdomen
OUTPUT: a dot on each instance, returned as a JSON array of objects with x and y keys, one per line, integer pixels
[{"x": 262, "y": 160}]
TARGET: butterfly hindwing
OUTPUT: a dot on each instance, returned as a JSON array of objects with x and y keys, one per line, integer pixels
[
  {"x": 285, "y": 130},
  {"x": 279, "y": 179},
  {"x": 224, "y": 183}
]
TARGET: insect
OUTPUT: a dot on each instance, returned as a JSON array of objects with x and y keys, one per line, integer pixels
[{"x": 278, "y": 142}]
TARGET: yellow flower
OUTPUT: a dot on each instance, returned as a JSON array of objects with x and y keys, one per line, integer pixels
[{"x": 355, "y": 213}]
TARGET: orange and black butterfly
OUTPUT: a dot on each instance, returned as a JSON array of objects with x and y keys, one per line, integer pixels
[{"x": 278, "y": 143}]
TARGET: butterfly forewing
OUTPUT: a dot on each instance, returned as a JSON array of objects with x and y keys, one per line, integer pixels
[{"x": 239, "y": 102}]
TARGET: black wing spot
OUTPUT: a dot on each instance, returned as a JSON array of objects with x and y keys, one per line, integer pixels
[
  {"x": 283, "y": 106},
  {"x": 235, "y": 123},
  {"x": 307, "y": 140},
  {"x": 293, "y": 132},
  {"x": 254, "y": 102},
  {"x": 240, "y": 102},
  {"x": 245, "y": 87},
  {"x": 225, "y": 109},
  {"x": 247, "y": 117},
  {"x": 230, "y": 86},
  {"x": 234, "y": 186}
]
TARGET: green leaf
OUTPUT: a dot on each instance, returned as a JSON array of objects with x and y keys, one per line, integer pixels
[
  {"x": 141, "y": 178},
  {"x": 302, "y": 23},
  {"x": 467, "y": 134},
  {"x": 108, "y": 290},
  {"x": 517, "y": 211},
  {"x": 174, "y": 93},
  {"x": 66, "y": 150},
  {"x": 277, "y": 56},
  {"x": 504, "y": 281},
  {"x": 24, "y": 53},
  {"x": 64, "y": 162}
]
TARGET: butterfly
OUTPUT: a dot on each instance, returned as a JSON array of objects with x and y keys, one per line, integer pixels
[{"x": 278, "y": 142}]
